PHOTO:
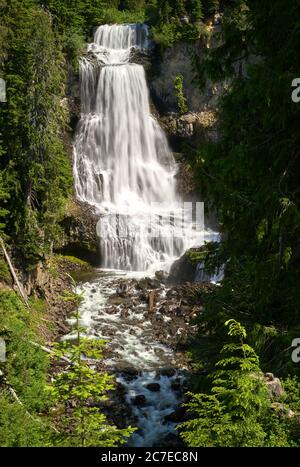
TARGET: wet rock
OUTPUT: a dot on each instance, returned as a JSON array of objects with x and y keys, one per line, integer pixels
[
  {"x": 177, "y": 416},
  {"x": 139, "y": 400},
  {"x": 168, "y": 372},
  {"x": 182, "y": 270},
  {"x": 172, "y": 293},
  {"x": 175, "y": 385},
  {"x": 125, "y": 313},
  {"x": 122, "y": 290},
  {"x": 148, "y": 283},
  {"x": 161, "y": 276},
  {"x": 153, "y": 387},
  {"x": 130, "y": 373},
  {"x": 116, "y": 301}
]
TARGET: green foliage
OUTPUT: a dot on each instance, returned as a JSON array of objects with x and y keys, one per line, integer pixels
[
  {"x": 292, "y": 392},
  {"x": 26, "y": 366},
  {"x": 113, "y": 15},
  {"x": 26, "y": 371},
  {"x": 73, "y": 260},
  {"x": 75, "y": 391},
  {"x": 175, "y": 20},
  {"x": 69, "y": 402},
  {"x": 250, "y": 178},
  {"x": 237, "y": 412},
  {"x": 73, "y": 21},
  {"x": 4, "y": 271},
  {"x": 18, "y": 428},
  {"x": 34, "y": 165},
  {"x": 133, "y": 5},
  {"x": 178, "y": 85}
]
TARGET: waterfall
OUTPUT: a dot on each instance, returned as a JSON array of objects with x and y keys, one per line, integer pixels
[{"x": 123, "y": 165}]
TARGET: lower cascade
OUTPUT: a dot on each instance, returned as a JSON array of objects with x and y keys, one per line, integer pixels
[{"x": 123, "y": 166}]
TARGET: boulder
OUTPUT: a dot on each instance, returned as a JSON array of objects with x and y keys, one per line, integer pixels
[
  {"x": 116, "y": 300},
  {"x": 176, "y": 386},
  {"x": 161, "y": 276},
  {"x": 177, "y": 416},
  {"x": 153, "y": 387},
  {"x": 274, "y": 385},
  {"x": 147, "y": 283},
  {"x": 182, "y": 270},
  {"x": 140, "y": 399},
  {"x": 130, "y": 373},
  {"x": 168, "y": 372}
]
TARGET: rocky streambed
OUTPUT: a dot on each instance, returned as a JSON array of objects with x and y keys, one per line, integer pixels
[{"x": 146, "y": 324}]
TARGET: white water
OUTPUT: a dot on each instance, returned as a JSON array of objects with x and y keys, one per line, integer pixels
[
  {"x": 131, "y": 344},
  {"x": 122, "y": 162}
]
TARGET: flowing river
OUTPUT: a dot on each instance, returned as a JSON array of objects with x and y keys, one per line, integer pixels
[{"x": 123, "y": 166}]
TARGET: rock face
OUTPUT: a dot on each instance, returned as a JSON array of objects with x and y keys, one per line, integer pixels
[
  {"x": 80, "y": 233},
  {"x": 49, "y": 281},
  {"x": 182, "y": 270},
  {"x": 177, "y": 60},
  {"x": 73, "y": 97},
  {"x": 274, "y": 385},
  {"x": 194, "y": 126},
  {"x": 185, "y": 180}
]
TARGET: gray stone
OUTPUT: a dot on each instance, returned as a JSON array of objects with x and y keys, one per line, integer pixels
[{"x": 274, "y": 385}]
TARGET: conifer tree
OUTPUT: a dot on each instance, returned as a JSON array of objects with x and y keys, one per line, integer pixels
[{"x": 237, "y": 411}]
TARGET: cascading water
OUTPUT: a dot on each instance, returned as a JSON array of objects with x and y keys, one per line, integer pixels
[
  {"x": 124, "y": 168},
  {"x": 122, "y": 162}
]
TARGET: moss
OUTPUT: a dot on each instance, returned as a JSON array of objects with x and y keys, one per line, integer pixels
[
  {"x": 74, "y": 260},
  {"x": 4, "y": 271},
  {"x": 69, "y": 264},
  {"x": 197, "y": 256}
]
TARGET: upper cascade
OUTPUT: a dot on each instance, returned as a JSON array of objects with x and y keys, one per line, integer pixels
[
  {"x": 113, "y": 43},
  {"x": 122, "y": 36}
]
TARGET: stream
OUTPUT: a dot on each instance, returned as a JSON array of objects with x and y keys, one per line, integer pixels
[{"x": 140, "y": 347}]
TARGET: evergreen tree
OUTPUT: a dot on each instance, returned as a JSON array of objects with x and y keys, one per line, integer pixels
[
  {"x": 35, "y": 166},
  {"x": 250, "y": 175},
  {"x": 237, "y": 412}
]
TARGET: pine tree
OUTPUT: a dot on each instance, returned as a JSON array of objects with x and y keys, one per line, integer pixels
[
  {"x": 237, "y": 410},
  {"x": 35, "y": 166}
]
